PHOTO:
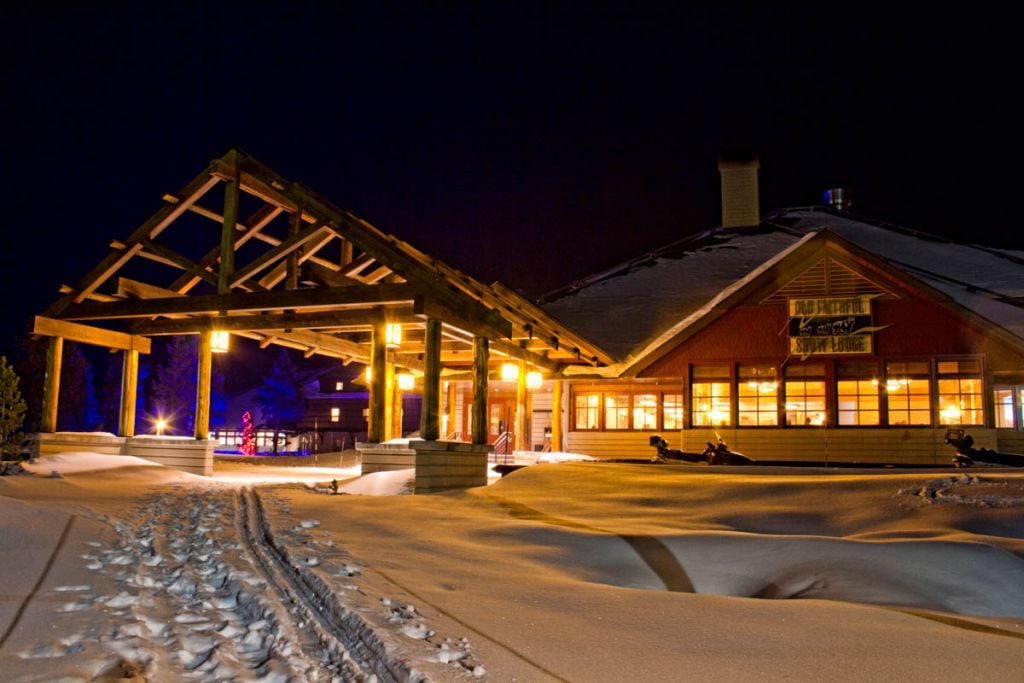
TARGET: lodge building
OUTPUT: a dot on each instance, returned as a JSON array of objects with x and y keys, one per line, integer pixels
[
  {"x": 810, "y": 334},
  {"x": 807, "y": 334}
]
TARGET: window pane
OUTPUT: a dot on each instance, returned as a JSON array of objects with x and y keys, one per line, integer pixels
[
  {"x": 805, "y": 403},
  {"x": 909, "y": 400},
  {"x": 587, "y": 410},
  {"x": 645, "y": 411},
  {"x": 960, "y": 401},
  {"x": 1003, "y": 400},
  {"x": 616, "y": 411},
  {"x": 711, "y": 404},
  {"x": 758, "y": 393},
  {"x": 672, "y": 417}
]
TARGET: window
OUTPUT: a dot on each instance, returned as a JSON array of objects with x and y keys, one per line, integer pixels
[
  {"x": 672, "y": 411},
  {"x": 758, "y": 394},
  {"x": 588, "y": 407},
  {"x": 960, "y": 392},
  {"x": 711, "y": 404},
  {"x": 616, "y": 411},
  {"x": 857, "y": 395},
  {"x": 908, "y": 387},
  {"x": 338, "y": 386},
  {"x": 805, "y": 395},
  {"x": 335, "y": 414},
  {"x": 645, "y": 412},
  {"x": 1003, "y": 402}
]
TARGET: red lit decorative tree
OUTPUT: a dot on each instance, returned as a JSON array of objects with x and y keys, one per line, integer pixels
[{"x": 248, "y": 434}]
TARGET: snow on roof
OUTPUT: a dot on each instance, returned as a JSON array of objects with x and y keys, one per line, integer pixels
[{"x": 640, "y": 304}]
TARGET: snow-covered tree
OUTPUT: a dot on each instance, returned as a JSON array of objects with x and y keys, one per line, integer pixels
[{"x": 12, "y": 409}]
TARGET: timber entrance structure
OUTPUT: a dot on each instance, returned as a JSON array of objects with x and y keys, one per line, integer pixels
[{"x": 243, "y": 251}]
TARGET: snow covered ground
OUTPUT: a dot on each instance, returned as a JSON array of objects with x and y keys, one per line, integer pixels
[{"x": 119, "y": 569}]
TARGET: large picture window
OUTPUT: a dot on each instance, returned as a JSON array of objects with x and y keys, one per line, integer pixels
[
  {"x": 626, "y": 410},
  {"x": 711, "y": 403},
  {"x": 616, "y": 411},
  {"x": 908, "y": 388},
  {"x": 645, "y": 411},
  {"x": 960, "y": 392},
  {"x": 758, "y": 396}
]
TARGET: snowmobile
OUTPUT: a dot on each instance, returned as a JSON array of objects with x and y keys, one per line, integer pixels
[
  {"x": 714, "y": 454},
  {"x": 968, "y": 456}
]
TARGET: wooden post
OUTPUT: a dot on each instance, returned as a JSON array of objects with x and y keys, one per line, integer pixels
[
  {"x": 389, "y": 400},
  {"x": 129, "y": 387},
  {"x": 291, "y": 280},
  {"x": 520, "y": 428},
  {"x": 430, "y": 416},
  {"x": 450, "y": 409},
  {"x": 346, "y": 252},
  {"x": 378, "y": 376},
  {"x": 51, "y": 384},
  {"x": 227, "y": 235},
  {"x": 556, "y": 416},
  {"x": 205, "y": 365},
  {"x": 396, "y": 409},
  {"x": 480, "y": 358}
]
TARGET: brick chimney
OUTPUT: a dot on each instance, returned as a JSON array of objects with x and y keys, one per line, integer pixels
[{"x": 740, "y": 206}]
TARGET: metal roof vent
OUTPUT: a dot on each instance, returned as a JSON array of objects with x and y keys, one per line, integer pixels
[{"x": 836, "y": 198}]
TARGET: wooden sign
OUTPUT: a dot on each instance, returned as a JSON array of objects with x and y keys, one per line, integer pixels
[{"x": 830, "y": 325}]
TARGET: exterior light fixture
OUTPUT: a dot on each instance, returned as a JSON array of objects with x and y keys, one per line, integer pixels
[
  {"x": 161, "y": 425},
  {"x": 405, "y": 381},
  {"x": 392, "y": 335},
  {"x": 369, "y": 374},
  {"x": 534, "y": 380},
  {"x": 220, "y": 341},
  {"x": 509, "y": 372}
]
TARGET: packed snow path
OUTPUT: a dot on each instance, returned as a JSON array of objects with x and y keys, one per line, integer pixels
[{"x": 204, "y": 594}]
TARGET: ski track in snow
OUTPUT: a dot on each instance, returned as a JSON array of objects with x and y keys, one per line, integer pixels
[{"x": 194, "y": 604}]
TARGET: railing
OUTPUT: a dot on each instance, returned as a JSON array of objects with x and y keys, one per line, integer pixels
[{"x": 501, "y": 450}]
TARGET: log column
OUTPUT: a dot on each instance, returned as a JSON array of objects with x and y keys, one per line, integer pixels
[
  {"x": 481, "y": 353},
  {"x": 390, "y": 392},
  {"x": 430, "y": 417},
  {"x": 129, "y": 387},
  {"x": 378, "y": 376},
  {"x": 227, "y": 235},
  {"x": 556, "y": 416},
  {"x": 450, "y": 408},
  {"x": 51, "y": 384},
  {"x": 202, "y": 426},
  {"x": 520, "y": 427}
]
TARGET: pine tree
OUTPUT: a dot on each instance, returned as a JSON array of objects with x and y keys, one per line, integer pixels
[
  {"x": 12, "y": 409},
  {"x": 282, "y": 398},
  {"x": 248, "y": 434},
  {"x": 109, "y": 395},
  {"x": 78, "y": 410},
  {"x": 174, "y": 384}
]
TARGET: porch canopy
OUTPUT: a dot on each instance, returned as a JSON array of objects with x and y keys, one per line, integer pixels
[{"x": 288, "y": 267}]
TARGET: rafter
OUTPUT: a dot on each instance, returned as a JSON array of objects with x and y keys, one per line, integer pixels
[{"x": 362, "y": 318}]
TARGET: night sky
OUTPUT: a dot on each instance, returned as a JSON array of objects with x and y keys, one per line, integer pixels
[{"x": 523, "y": 143}]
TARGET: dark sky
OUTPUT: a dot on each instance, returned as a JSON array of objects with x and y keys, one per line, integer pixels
[{"x": 519, "y": 142}]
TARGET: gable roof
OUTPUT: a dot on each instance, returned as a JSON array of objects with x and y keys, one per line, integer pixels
[
  {"x": 634, "y": 309},
  {"x": 289, "y": 267}
]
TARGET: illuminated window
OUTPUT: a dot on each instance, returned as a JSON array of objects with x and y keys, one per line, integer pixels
[
  {"x": 758, "y": 396},
  {"x": 1003, "y": 402},
  {"x": 616, "y": 411},
  {"x": 908, "y": 387},
  {"x": 335, "y": 414},
  {"x": 805, "y": 395},
  {"x": 588, "y": 410},
  {"x": 672, "y": 411},
  {"x": 645, "y": 412},
  {"x": 857, "y": 395},
  {"x": 960, "y": 393},
  {"x": 338, "y": 386},
  {"x": 710, "y": 397}
]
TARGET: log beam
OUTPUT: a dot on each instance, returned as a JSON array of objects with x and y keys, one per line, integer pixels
[
  {"x": 86, "y": 334},
  {"x": 360, "y": 318},
  {"x": 480, "y": 358},
  {"x": 430, "y": 416},
  {"x": 227, "y": 235},
  {"x": 51, "y": 384}
]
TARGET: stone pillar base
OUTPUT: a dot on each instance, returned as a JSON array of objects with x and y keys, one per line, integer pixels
[
  {"x": 387, "y": 456},
  {"x": 446, "y": 465},
  {"x": 180, "y": 453}
]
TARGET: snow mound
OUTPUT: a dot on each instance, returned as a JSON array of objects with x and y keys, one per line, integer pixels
[
  {"x": 968, "y": 490},
  {"x": 74, "y": 462},
  {"x": 396, "y": 483}
]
